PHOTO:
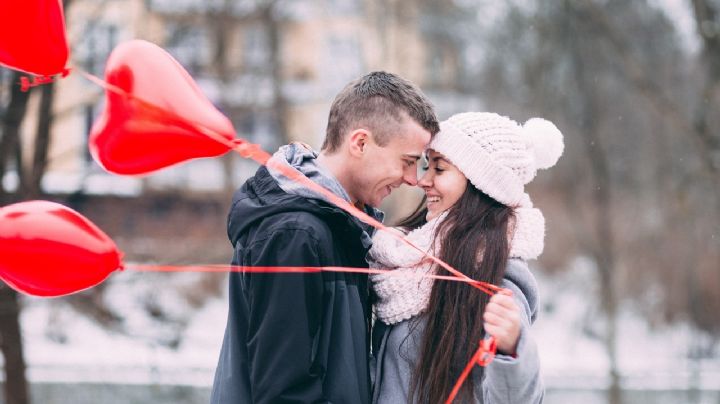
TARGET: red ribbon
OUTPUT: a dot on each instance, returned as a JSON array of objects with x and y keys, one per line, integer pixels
[
  {"x": 300, "y": 269},
  {"x": 487, "y": 349},
  {"x": 482, "y": 357}
]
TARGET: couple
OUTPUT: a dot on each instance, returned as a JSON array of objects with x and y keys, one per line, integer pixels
[{"x": 305, "y": 338}]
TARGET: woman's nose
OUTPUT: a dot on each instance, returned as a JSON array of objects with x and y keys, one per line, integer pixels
[{"x": 426, "y": 180}]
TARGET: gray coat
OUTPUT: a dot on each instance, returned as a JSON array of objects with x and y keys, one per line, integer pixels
[{"x": 506, "y": 380}]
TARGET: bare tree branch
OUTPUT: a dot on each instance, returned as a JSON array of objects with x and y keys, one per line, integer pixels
[{"x": 707, "y": 144}]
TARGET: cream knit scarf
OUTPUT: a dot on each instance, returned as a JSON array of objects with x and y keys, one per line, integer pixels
[{"x": 401, "y": 297}]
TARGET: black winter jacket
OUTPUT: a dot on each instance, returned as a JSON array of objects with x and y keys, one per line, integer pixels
[{"x": 294, "y": 338}]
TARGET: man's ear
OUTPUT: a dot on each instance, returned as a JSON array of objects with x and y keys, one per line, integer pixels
[{"x": 358, "y": 141}]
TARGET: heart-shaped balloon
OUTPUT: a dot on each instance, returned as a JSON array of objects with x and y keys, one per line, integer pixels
[
  {"x": 47, "y": 249},
  {"x": 155, "y": 115},
  {"x": 32, "y": 36}
]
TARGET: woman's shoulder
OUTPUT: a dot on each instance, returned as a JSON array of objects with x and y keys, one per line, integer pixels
[{"x": 523, "y": 284}]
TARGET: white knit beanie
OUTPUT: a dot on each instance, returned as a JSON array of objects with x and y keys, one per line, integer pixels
[{"x": 499, "y": 157}]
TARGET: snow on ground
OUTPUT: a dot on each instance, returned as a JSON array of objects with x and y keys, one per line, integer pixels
[
  {"x": 143, "y": 353},
  {"x": 572, "y": 354},
  {"x": 90, "y": 353}
]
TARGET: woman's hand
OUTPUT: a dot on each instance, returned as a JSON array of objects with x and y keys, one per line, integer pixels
[{"x": 502, "y": 321}]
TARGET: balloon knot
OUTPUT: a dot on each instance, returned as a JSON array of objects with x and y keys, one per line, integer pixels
[
  {"x": 26, "y": 84},
  {"x": 121, "y": 265},
  {"x": 245, "y": 148}
]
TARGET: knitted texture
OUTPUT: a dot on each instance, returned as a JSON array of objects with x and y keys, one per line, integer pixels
[
  {"x": 403, "y": 294},
  {"x": 528, "y": 235},
  {"x": 496, "y": 154},
  {"x": 499, "y": 157}
]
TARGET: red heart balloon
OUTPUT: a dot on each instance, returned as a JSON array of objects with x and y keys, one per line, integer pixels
[
  {"x": 155, "y": 115},
  {"x": 32, "y": 36},
  {"x": 47, "y": 249}
]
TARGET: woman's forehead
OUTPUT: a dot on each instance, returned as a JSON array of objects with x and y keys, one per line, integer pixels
[{"x": 432, "y": 155}]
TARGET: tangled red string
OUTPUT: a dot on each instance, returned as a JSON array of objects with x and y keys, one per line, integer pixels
[{"x": 487, "y": 348}]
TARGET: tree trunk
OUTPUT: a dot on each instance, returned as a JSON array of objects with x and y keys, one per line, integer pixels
[
  {"x": 14, "y": 115},
  {"x": 280, "y": 107},
  {"x": 603, "y": 250},
  {"x": 16, "y": 386},
  {"x": 31, "y": 182},
  {"x": 222, "y": 25}
]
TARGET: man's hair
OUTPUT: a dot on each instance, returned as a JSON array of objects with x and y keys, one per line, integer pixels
[{"x": 378, "y": 102}]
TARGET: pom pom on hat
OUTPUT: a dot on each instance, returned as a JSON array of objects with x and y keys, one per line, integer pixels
[
  {"x": 546, "y": 142},
  {"x": 499, "y": 157}
]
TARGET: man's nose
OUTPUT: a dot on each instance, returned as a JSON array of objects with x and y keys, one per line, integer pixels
[{"x": 410, "y": 177}]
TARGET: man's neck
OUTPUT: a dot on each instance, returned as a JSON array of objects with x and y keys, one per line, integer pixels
[{"x": 337, "y": 166}]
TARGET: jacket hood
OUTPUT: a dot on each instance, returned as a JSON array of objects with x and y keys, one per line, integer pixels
[{"x": 261, "y": 196}]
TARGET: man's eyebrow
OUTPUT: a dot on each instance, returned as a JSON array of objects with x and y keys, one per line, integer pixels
[{"x": 413, "y": 156}]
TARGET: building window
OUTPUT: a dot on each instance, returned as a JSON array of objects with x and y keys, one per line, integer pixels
[
  {"x": 95, "y": 45},
  {"x": 188, "y": 44},
  {"x": 256, "y": 48},
  {"x": 342, "y": 61},
  {"x": 176, "y": 6},
  {"x": 344, "y": 7}
]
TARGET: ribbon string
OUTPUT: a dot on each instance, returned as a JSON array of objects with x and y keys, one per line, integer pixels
[
  {"x": 255, "y": 152},
  {"x": 300, "y": 269}
]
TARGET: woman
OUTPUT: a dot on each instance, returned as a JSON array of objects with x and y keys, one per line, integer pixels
[{"x": 476, "y": 217}]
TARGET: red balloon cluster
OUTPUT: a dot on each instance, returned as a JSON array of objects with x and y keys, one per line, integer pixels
[
  {"x": 47, "y": 249},
  {"x": 155, "y": 115},
  {"x": 32, "y": 36}
]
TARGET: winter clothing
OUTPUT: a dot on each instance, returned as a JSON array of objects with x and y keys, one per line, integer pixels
[
  {"x": 400, "y": 307},
  {"x": 499, "y": 157},
  {"x": 506, "y": 380},
  {"x": 496, "y": 154},
  {"x": 399, "y": 297},
  {"x": 300, "y": 338}
]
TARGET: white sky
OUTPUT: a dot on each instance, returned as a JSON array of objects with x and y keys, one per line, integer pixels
[{"x": 680, "y": 12}]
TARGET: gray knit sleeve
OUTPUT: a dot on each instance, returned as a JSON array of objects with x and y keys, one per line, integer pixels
[{"x": 508, "y": 379}]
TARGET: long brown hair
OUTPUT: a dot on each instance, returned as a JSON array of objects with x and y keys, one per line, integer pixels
[{"x": 474, "y": 240}]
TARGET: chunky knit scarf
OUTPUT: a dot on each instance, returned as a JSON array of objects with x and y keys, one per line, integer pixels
[{"x": 400, "y": 296}]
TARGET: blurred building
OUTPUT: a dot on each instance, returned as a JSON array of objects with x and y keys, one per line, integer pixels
[{"x": 272, "y": 67}]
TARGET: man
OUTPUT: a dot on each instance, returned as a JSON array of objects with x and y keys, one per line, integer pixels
[{"x": 304, "y": 338}]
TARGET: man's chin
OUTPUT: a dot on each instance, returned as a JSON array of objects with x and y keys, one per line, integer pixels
[{"x": 376, "y": 202}]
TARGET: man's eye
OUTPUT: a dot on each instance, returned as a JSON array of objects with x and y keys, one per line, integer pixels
[{"x": 409, "y": 163}]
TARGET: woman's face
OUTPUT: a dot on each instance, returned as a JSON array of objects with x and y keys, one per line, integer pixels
[{"x": 443, "y": 184}]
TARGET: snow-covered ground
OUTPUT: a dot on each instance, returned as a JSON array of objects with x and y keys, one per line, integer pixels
[
  {"x": 573, "y": 356},
  {"x": 64, "y": 346}
]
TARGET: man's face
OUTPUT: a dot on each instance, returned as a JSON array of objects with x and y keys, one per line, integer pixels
[{"x": 384, "y": 168}]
